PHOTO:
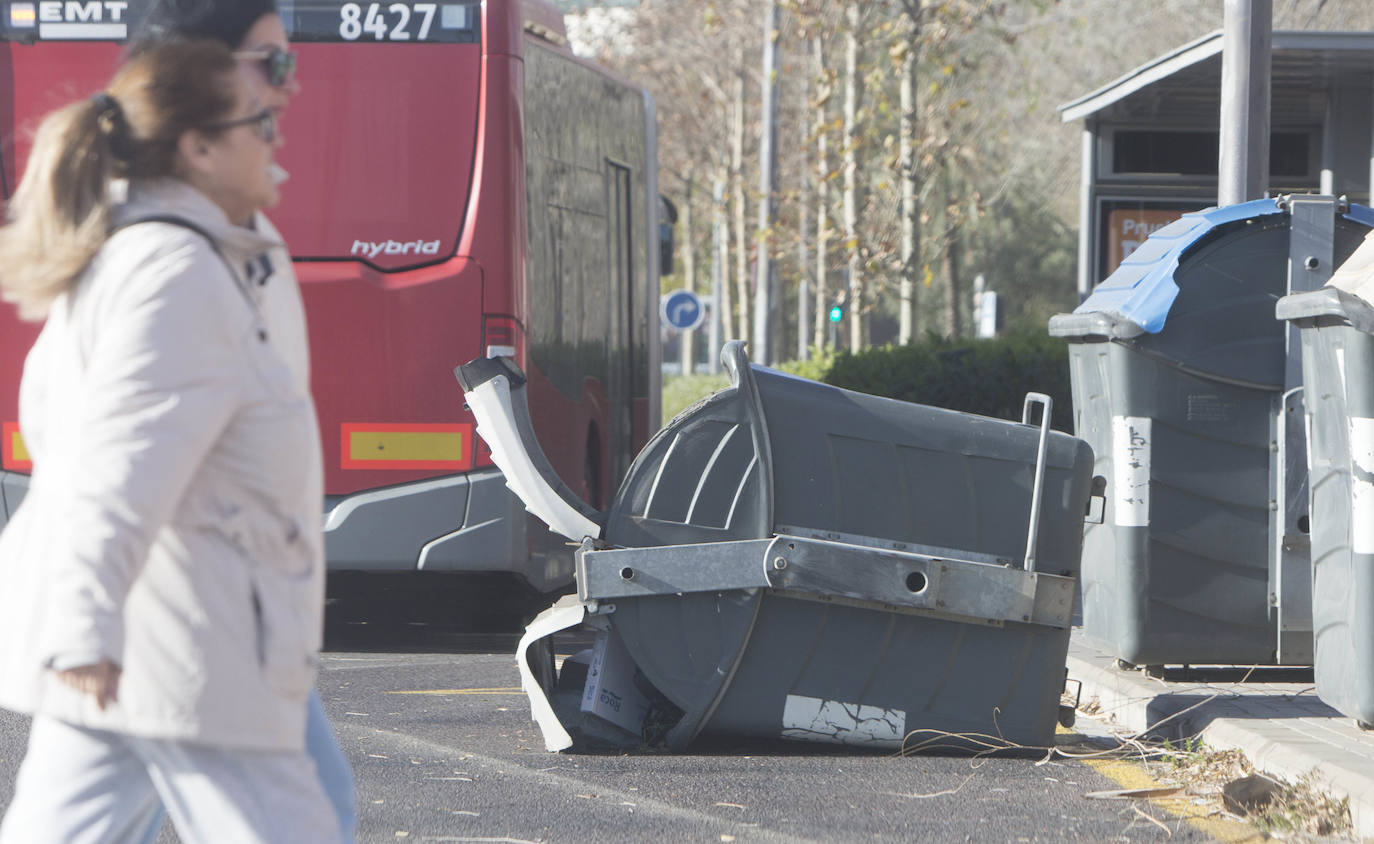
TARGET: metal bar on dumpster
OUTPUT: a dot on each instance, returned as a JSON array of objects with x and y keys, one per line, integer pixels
[
  {"x": 883, "y": 579},
  {"x": 1032, "y": 535},
  {"x": 670, "y": 569},
  {"x": 893, "y": 544},
  {"x": 1311, "y": 259}
]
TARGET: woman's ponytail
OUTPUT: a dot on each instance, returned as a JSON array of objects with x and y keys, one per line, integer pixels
[{"x": 60, "y": 214}]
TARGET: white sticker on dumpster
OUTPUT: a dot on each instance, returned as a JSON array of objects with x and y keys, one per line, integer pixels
[
  {"x": 1131, "y": 470},
  {"x": 1340, "y": 367},
  {"x": 1362, "y": 485},
  {"x": 837, "y": 722}
]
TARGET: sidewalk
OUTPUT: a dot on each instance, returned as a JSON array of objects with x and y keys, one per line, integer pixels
[{"x": 1275, "y": 718}]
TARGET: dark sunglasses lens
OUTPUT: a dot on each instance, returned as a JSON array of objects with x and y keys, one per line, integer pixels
[{"x": 280, "y": 66}]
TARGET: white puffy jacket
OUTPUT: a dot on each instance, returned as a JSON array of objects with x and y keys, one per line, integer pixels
[{"x": 173, "y": 518}]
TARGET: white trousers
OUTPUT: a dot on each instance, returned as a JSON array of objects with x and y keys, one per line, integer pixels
[{"x": 79, "y": 786}]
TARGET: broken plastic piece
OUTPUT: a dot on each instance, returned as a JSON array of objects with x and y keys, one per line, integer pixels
[{"x": 494, "y": 388}]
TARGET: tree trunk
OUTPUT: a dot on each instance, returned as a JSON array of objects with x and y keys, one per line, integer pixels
[
  {"x": 822, "y": 202},
  {"x": 804, "y": 228},
  {"x": 911, "y": 208},
  {"x": 766, "y": 276},
  {"x": 737, "y": 179},
  {"x": 689, "y": 273},
  {"x": 851, "y": 181},
  {"x": 720, "y": 281},
  {"x": 953, "y": 324}
]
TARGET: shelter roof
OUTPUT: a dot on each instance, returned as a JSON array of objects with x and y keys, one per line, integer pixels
[{"x": 1185, "y": 84}]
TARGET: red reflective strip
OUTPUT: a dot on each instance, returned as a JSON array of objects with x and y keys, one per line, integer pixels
[{"x": 14, "y": 455}]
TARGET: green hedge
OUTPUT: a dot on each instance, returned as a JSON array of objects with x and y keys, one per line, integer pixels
[
  {"x": 987, "y": 377},
  {"x": 679, "y": 391}
]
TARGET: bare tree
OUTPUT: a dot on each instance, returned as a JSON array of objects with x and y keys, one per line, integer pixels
[
  {"x": 931, "y": 165},
  {"x": 950, "y": 259},
  {"x": 765, "y": 297},
  {"x": 821, "y": 127},
  {"x": 911, "y": 206},
  {"x": 804, "y": 287},
  {"x": 852, "y": 90},
  {"x": 720, "y": 281},
  {"x": 737, "y": 180},
  {"x": 689, "y": 273}
]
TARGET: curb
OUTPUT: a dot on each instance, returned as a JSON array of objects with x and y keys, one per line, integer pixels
[{"x": 1282, "y": 727}]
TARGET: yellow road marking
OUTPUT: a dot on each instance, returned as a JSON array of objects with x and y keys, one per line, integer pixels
[
  {"x": 501, "y": 691},
  {"x": 1131, "y": 774}
]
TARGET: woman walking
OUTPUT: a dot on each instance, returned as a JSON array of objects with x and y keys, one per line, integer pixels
[
  {"x": 254, "y": 30},
  {"x": 164, "y": 574}
]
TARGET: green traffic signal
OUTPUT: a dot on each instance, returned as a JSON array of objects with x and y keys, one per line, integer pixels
[{"x": 836, "y": 313}]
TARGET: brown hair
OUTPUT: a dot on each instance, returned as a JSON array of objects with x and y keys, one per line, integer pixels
[{"x": 61, "y": 212}]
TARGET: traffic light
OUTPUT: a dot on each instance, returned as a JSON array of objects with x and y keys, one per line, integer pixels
[{"x": 837, "y": 312}]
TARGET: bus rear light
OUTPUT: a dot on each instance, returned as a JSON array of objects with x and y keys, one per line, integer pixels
[
  {"x": 502, "y": 337},
  {"x": 15, "y": 455},
  {"x": 406, "y": 446}
]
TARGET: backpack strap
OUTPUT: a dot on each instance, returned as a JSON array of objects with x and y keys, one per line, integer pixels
[{"x": 174, "y": 220}]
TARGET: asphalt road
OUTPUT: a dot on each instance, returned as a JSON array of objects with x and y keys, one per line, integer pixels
[{"x": 422, "y": 690}]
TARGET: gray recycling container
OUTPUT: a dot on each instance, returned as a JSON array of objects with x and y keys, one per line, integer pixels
[
  {"x": 1177, "y": 367},
  {"x": 871, "y": 505},
  {"x": 1337, "y": 332}
]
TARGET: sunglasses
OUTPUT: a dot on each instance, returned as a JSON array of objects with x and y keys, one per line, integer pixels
[
  {"x": 278, "y": 64},
  {"x": 264, "y": 124}
]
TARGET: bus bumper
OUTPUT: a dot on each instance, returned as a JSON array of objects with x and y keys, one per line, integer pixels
[
  {"x": 461, "y": 523},
  {"x": 13, "y": 486}
]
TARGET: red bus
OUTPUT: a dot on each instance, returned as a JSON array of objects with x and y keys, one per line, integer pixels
[{"x": 462, "y": 185}]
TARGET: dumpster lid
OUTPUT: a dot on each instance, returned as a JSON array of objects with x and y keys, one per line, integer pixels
[
  {"x": 1142, "y": 289},
  {"x": 1110, "y": 326},
  {"x": 1329, "y": 304}
]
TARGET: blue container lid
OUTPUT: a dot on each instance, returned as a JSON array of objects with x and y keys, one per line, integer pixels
[{"x": 1142, "y": 289}]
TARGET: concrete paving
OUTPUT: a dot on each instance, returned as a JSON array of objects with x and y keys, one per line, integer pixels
[{"x": 1272, "y": 715}]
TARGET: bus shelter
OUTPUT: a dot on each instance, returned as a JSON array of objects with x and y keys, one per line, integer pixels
[{"x": 1150, "y": 139}]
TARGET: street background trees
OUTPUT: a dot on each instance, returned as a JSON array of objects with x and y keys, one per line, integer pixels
[{"x": 887, "y": 153}]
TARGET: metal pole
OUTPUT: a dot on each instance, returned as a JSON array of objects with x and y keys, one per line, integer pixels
[
  {"x": 1087, "y": 257},
  {"x": 1243, "y": 156},
  {"x": 1371, "y": 153}
]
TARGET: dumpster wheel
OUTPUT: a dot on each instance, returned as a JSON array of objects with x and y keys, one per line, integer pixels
[{"x": 1067, "y": 715}]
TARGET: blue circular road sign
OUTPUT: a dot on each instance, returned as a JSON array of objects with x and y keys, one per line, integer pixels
[{"x": 682, "y": 310}]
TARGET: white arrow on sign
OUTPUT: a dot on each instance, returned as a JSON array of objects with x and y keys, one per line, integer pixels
[{"x": 682, "y": 310}]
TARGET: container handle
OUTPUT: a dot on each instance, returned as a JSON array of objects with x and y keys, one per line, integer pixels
[{"x": 1033, "y": 534}]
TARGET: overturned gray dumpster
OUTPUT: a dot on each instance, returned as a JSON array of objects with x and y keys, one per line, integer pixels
[
  {"x": 1190, "y": 396},
  {"x": 1337, "y": 330},
  {"x": 787, "y": 559}
]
